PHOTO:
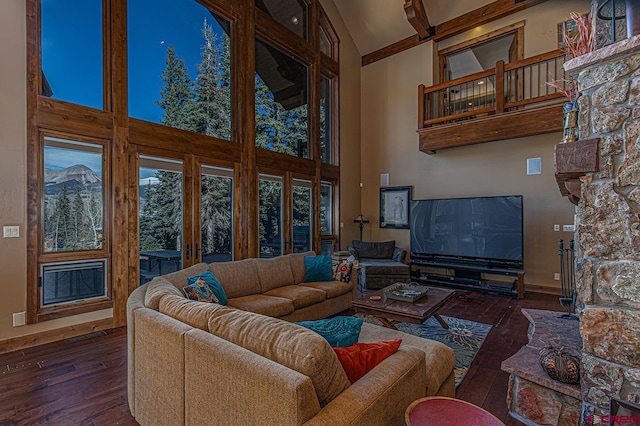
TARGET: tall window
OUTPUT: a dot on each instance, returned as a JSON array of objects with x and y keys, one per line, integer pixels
[
  {"x": 216, "y": 213},
  {"x": 73, "y": 216},
  {"x": 292, "y": 14},
  {"x": 302, "y": 214},
  {"x": 180, "y": 66},
  {"x": 72, "y": 54},
  {"x": 326, "y": 123},
  {"x": 270, "y": 206},
  {"x": 281, "y": 102}
]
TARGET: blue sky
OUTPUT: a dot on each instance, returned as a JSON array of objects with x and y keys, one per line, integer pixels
[{"x": 72, "y": 48}]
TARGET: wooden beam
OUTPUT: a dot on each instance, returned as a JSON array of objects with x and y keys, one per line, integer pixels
[
  {"x": 496, "y": 10},
  {"x": 417, "y": 17},
  {"x": 515, "y": 124}
]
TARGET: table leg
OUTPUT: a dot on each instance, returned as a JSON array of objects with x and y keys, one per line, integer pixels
[
  {"x": 441, "y": 321},
  {"x": 388, "y": 323}
]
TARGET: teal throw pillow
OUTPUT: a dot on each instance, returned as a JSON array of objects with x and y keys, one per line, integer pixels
[
  {"x": 213, "y": 283},
  {"x": 317, "y": 268},
  {"x": 339, "y": 331}
]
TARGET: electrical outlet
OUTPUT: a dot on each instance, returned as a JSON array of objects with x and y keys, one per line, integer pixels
[
  {"x": 19, "y": 318},
  {"x": 556, "y": 276},
  {"x": 556, "y": 228},
  {"x": 10, "y": 231},
  {"x": 568, "y": 228}
]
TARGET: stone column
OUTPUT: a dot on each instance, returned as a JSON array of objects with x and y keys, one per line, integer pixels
[{"x": 608, "y": 226}]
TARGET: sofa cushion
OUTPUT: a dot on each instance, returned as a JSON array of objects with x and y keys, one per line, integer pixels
[
  {"x": 297, "y": 265},
  {"x": 212, "y": 283},
  {"x": 331, "y": 288},
  {"x": 317, "y": 268},
  {"x": 156, "y": 290},
  {"x": 287, "y": 344},
  {"x": 196, "y": 314},
  {"x": 300, "y": 296},
  {"x": 374, "y": 250},
  {"x": 274, "y": 273},
  {"x": 263, "y": 304},
  {"x": 238, "y": 278},
  {"x": 384, "y": 267},
  {"x": 360, "y": 358},
  {"x": 338, "y": 331}
]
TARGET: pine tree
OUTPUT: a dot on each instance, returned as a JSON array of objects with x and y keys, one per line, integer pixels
[
  {"x": 176, "y": 94},
  {"x": 61, "y": 221},
  {"x": 77, "y": 227},
  {"x": 211, "y": 112}
]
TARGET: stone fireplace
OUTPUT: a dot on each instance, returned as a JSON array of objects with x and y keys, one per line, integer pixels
[
  {"x": 600, "y": 173},
  {"x": 608, "y": 226}
]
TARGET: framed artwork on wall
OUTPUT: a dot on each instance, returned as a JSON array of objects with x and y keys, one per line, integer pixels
[{"x": 394, "y": 207}]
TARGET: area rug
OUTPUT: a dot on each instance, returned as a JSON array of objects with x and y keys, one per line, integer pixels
[{"x": 463, "y": 336}]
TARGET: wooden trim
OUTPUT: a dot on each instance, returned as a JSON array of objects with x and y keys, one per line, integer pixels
[
  {"x": 67, "y": 117},
  {"x": 514, "y": 124},
  {"x": 534, "y": 59},
  {"x": 485, "y": 38},
  {"x": 330, "y": 31},
  {"x": 456, "y": 117},
  {"x": 49, "y": 336},
  {"x": 417, "y": 17},
  {"x": 491, "y": 12},
  {"x": 121, "y": 284},
  {"x": 500, "y": 83},
  {"x": 34, "y": 85}
]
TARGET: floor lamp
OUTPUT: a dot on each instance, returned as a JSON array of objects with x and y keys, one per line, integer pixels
[{"x": 361, "y": 220}]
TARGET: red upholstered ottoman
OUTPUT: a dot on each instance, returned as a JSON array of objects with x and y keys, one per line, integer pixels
[{"x": 444, "y": 411}]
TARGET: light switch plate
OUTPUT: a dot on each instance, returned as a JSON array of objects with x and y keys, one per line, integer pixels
[
  {"x": 10, "y": 231},
  {"x": 568, "y": 228}
]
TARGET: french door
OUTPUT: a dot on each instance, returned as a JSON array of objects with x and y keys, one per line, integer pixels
[
  {"x": 285, "y": 214},
  {"x": 184, "y": 212}
]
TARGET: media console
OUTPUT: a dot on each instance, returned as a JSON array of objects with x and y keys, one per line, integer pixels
[{"x": 468, "y": 275}]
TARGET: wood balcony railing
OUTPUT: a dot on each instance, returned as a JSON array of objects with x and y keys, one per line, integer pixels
[{"x": 495, "y": 93}]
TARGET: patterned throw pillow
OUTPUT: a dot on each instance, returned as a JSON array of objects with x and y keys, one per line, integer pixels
[
  {"x": 212, "y": 283},
  {"x": 200, "y": 291},
  {"x": 339, "y": 331},
  {"x": 342, "y": 271}
]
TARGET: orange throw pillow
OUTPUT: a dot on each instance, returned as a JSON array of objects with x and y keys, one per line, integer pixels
[{"x": 360, "y": 358}]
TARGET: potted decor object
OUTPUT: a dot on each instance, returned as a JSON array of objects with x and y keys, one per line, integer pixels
[{"x": 574, "y": 45}]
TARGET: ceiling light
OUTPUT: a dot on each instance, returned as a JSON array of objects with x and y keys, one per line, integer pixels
[
  {"x": 294, "y": 20},
  {"x": 480, "y": 82}
]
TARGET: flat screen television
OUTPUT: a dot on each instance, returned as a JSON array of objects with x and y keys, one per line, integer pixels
[{"x": 481, "y": 229}]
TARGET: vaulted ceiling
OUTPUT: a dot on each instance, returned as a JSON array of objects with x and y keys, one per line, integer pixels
[{"x": 374, "y": 24}]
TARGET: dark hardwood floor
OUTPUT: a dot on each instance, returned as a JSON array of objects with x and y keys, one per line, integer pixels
[{"x": 83, "y": 381}]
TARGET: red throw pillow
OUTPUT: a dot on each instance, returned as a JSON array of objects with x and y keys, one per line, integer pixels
[{"x": 360, "y": 358}]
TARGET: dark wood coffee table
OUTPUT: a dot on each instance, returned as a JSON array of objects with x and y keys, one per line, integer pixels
[{"x": 390, "y": 312}]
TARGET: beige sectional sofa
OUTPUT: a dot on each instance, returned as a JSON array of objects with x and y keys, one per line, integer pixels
[{"x": 202, "y": 363}]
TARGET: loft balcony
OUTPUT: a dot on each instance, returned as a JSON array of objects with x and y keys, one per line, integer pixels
[{"x": 508, "y": 101}]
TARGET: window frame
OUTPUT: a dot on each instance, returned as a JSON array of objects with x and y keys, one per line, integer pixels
[{"x": 124, "y": 136}]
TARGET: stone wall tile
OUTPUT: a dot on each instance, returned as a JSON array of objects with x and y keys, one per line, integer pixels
[
  {"x": 611, "y": 94},
  {"x": 584, "y": 114},
  {"x": 584, "y": 282},
  {"x": 634, "y": 92},
  {"x": 608, "y": 119},
  {"x": 629, "y": 173},
  {"x": 632, "y": 375},
  {"x": 619, "y": 283},
  {"x": 602, "y": 222},
  {"x": 601, "y": 380},
  {"x": 537, "y": 403},
  {"x": 607, "y": 72},
  {"x": 612, "y": 334}
]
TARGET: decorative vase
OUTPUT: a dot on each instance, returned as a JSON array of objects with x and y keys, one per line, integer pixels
[{"x": 570, "y": 122}]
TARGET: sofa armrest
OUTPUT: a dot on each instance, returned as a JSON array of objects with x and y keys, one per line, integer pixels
[
  {"x": 229, "y": 383},
  {"x": 381, "y": 396},
  {"x": 399, "y": 254}
]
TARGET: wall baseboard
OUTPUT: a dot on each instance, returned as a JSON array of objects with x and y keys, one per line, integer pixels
[
  {"x": 543, "y": 289},
  {"x": 49, "y": 336}
]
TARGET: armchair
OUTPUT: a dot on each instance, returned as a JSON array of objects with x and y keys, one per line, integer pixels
[{"x": 381, "y": 263}]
